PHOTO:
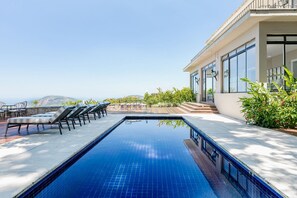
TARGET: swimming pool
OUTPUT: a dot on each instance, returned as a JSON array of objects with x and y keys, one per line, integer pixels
[{"x": 139, "y": 158}]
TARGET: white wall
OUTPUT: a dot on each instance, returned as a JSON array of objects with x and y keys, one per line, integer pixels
[
  {"x": 282, "y": 27},
  {"x": 228, "y": 104}
]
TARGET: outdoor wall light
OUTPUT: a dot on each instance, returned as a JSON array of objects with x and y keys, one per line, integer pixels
[
  {"x": 197, "y": 80},
  {"x": 214, "y": 74}
]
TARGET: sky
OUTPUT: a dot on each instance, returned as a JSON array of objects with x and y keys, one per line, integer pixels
[{"x": 102, "y": 48}]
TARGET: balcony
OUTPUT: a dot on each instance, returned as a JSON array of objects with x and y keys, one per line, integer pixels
[{"x": 250, "y": 6}]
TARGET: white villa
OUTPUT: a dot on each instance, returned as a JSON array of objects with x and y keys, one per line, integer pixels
[{"x": 255, "y": 42}]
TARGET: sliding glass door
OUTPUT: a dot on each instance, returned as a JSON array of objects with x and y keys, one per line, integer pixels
[
  {"x": 281, "y": 50},
  {"x": 208, "y": 87}
]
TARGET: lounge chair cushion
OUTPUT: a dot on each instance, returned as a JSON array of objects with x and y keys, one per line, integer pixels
[
  {"x": 42, "y": 115},
  {"x": 29, "y": 120},
  {"x": 57, "y": 114}
]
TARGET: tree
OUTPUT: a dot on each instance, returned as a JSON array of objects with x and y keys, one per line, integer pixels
[{"x": 35, "y": 102}]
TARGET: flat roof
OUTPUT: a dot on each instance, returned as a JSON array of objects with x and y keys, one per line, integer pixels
[{"x": 249, "y": 8}]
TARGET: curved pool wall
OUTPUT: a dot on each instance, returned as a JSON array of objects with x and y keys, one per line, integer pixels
[{"x": 261, "y": 188}]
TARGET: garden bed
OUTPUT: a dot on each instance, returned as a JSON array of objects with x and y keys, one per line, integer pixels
[{"x": 288, "y": 131}]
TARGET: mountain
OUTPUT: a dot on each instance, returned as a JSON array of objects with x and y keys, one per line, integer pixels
[{"x": 51, "y": 101}]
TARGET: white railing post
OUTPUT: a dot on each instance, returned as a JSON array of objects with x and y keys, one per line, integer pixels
[{"x": 293, "y": 3}]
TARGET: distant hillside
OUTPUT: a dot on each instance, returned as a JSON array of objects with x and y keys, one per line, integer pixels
[{"x": 52, "y": 101}]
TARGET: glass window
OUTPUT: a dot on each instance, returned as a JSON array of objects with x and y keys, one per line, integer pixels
[
  {"x": 274, "y": 55},
  {"x": 240, "y": 63},
  {"x": 233, "y": 74},
  {"x": 275, "y": 38},
  {"x": 195, "y": 82},
  {"x": 275, "y": 75},
  {"x": 291, "y": 58},
  {"x": 209, "y": 151},
  {"x": 226, "y": 165},
  {"x": 294, "y": 68},
  {"x": 280, "y": 51},
  {"x": 251, "y": 64},
  {"x": 204, "y": 85},
  {"x": 241, "y": 72},
  {"x": 194, "y": 136},
  {"x": 242, "y": 180},
  {"x": 291, "y": 38},
  {"x": 226, "y": 76},
  {"x": 233, "y": 172}
]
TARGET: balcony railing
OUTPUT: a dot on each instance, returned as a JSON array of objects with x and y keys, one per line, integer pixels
[
  {"x": 249, "y": 5},
  {"x": 246, "y": 7},
  {"x": 271, "y": 4}
]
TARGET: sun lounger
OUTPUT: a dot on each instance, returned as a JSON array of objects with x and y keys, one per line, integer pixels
[
  {"x": 74, "y": 114},
  {"x": 84, "y": 114},
  {"x": 104, "y": 109},
  {"x": 96, "y": 110},
  {"x": 57, "y": 118},
  {"x": 2, "y": 112}
]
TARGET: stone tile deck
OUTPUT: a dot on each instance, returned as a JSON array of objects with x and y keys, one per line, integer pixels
[
  {"x": 24, "y": 160},
  {"x": 271, "y": 154}
]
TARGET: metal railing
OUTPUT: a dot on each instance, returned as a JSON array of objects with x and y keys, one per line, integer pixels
[
  {"x": 272, "y": 4},
  {"x": 245, "y": 8}
]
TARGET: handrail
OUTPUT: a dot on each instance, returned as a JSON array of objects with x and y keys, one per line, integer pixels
[{"x": 245, "y": 8}]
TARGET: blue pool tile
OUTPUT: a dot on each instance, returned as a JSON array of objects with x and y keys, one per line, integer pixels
[{"x": 137, "y": 159}]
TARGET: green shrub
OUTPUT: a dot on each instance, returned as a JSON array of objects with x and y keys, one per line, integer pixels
[
  {"x": 169, "y": 98},
  {"x": 72, "y": 103},
  {"x": 127, "y": 99},
  {"x": 91, "y": 102},
  {"x": 271, "y": 109},
  {"x": 150, "y": 99}
]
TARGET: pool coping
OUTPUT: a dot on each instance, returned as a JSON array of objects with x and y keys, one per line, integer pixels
[{"x": 57, "y": 170}]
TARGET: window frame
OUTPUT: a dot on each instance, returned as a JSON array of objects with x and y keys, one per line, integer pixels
[
  {"x": 192, "y": 83},
  {"x": 232, "y": 54},
  {"x": 282, "y": 43},
  {"x": 212, "y": 66}
]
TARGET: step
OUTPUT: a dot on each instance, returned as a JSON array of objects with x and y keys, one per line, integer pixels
[
  {"x": 200, "y": 104},
  {"x": 204, "y": 111},
  {"x": 199, "y": 107},
  {"x": 190, "y": 110},
  {"x": 192, "y": 107},
  {"x": 182, "y": 110}
]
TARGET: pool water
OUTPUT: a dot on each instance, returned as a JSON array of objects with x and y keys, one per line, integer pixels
[{"x": 140, "y": 158}]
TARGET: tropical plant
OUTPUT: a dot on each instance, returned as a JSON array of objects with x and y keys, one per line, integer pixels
[
  {"x": 91, "y": 102},
  {"x": 169, "y": 98},
  {"x": 272, "y": 109},
  {"x": 150, "y": 99},
  {"x": 210, "y": 91},
  {"x": 35, "y": 102},
  {"x": 72, "y": 103},
  {"x": 127, "y": 99}
]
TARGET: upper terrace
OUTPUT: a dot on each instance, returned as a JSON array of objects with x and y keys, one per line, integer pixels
[{"x": 266, "y": 9}]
